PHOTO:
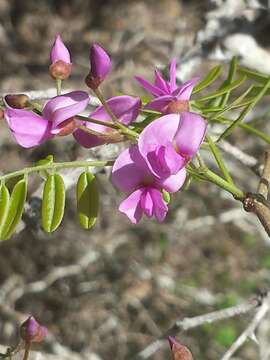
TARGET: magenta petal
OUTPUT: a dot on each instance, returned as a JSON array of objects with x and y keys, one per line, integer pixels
[
  {"x": 147, "y": 203},
  {"x": 184, "y": 91},
  {"x": 131, "y": 206},
  {"x": 161, "y": 83},
  {"x": 160, "y": 104},
  {"x": 160, "y": 207},
  {"x": 125, "y": 108},
  {"x": 28, "y": 128},
  {"x": 190, "y": 134},
  {"x": 59, "y": 51},
  {"x": 155, "y": 145},
  {"x": 173, "y": 75},
  {"x": 63, "y": 107},
  {"x": 154, "y": 90},
  {"x": 87, "y": 140},
  {"x": 174, "y": 182},
  {"x": 129, "y": 170},
  {"x": 100, "y": 62}
]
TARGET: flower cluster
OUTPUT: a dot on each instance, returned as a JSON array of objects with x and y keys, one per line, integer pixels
[{"x": 154, "y": 165}]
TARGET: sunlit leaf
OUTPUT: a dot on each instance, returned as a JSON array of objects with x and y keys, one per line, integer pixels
[
  {"x": 208, "y": 80},
  {"x": 15, "y": 209},
  {"x": 87, "y": 199},
  {"x": 53, "y": 202}
]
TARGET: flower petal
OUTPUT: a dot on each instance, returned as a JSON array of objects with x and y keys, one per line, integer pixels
[
  {"x": 28, "y": 128},
  {"x": 147, "y": 203},
  {"x": 131, "y": 206},
  {"x": 63, "y": 107},
  {"x": 87, "y": 140},
  {"x": 154, "y": 90},
  {"x": 59, "y": 51},
  {"x": 129, "y": 170},
  {"x": 190, "y": 134},
  {"x": 160, "y": 207},
  {"x": 185, "y": 90},
  {"x": 174, "y": 182},
  {"x": 172, "y": 75},
  {"x": 161, "y": 83},
  {"x": 125, "y": 108},
  {"x": 160, "y": 104},
  {"x": 155, "y": 145}
]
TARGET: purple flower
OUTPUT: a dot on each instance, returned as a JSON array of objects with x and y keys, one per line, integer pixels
[
  {"x": 32, "y": 331},
  {"x": 125, "y": 108},
  {"x": 31, "y": 129},
  {"x": 179, "y": 351},
  {"x": 131, "y": 174},
  {"x": 100, "y": 66},
  {"x": 59, "y": 51},
  {"x": 168, "y": 143},
  {"x": 169, "y": 98},
  {"x": 60, "y": 59}
]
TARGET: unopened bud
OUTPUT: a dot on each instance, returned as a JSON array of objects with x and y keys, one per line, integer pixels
[
  {"x": 100, "y": 66},
  {"x": 17, "y": 101},
  {"x": 32, "y": 331},
  {"x": 60, "y": 70},
  {"x": 179, "y": 351}
]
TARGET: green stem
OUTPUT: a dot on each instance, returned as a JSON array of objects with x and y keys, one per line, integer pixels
[
  {"x": 219, "y": 181},
  {"x": 27, "y": 350},
  {"x": 54, "y": 166},
  {"x": 219, "y": 160},
  {"x": 98, "y": 122},
  {"x": 58, "y": 86}
]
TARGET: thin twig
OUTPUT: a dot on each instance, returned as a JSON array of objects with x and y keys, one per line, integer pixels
[
  {"x": 249, "y": 331},
  {"x": 190, "y": 323}
]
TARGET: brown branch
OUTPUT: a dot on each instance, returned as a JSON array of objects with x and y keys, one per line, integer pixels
[
  {"x": 265, "y": 178},
  {"x": 249, "y": 331},
  {"x": 190, "y": 323}
]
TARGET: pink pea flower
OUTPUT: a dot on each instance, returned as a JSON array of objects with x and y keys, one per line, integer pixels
[
  {"x": 60, "y": 59},
  {"x": 169, "y": 98},
  {"x": 179, "y": 351},
  {"x": 131, "y": 174},
  {"x": 32, "y": 331},
  {"x": 125, "y": 108},
  {"x": 169, "y": 142},
  {"x": 57, "y": 118},
  {"x": 100, "y": 66}
]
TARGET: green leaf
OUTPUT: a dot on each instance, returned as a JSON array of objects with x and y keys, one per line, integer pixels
[
  {"x": 4, "y": 206},
  {"x": 208, "y": 80},
  {"x": 53, "y": 203},
  {"x": 224, "y": 90},
  {"x": 15, "y": 209},
  {"x": 87, "y": 199},
  {"x": 254, "y": 74},
  {"x": 232, "y": 70}
]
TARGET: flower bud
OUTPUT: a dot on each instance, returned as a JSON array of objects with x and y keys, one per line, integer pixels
[
  {"x": 60, "y": 58},
  {"x": 100, "y": 67},
  {"x": 17, "y": 101},
  {"x": 179, "y": 351},
  {"x": 32, "y": 331},
  {"x": 60, "y": 70}
]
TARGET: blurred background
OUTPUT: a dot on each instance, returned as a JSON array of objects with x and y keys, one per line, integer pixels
[{"x": 107, "y": 293}]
